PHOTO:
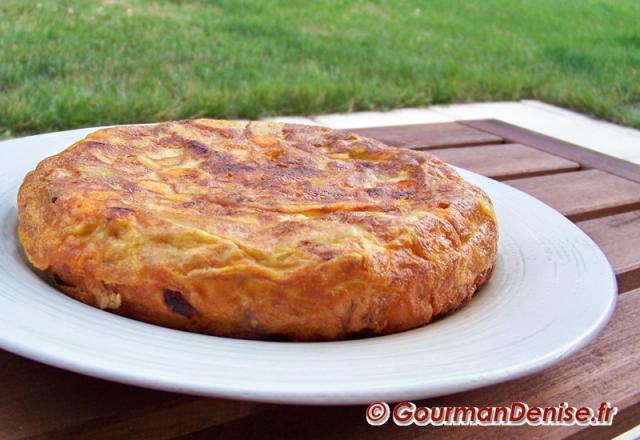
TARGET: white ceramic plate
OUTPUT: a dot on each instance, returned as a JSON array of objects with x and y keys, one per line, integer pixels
[{"x": 552, "y": 292}]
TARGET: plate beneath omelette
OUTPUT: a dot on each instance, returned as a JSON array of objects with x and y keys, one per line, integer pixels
[{"x": 552, "y": 291}]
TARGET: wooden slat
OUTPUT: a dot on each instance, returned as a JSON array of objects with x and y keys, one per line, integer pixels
[
  {"x": 505, "y": 161},
  {"x": 587, "y": 158},
  {"x": 583, "y": 195},
  {"x": 424, "y": 136},
  {"x": 606, "y": 370},
  {"x": 619, "y": 237},
  {"x": 42, "y": 402}
]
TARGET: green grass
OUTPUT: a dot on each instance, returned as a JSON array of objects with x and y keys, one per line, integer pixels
[{"x": 67, "y": 64}]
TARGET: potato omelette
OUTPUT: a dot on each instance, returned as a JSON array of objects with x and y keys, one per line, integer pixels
[{"x": 257, "y": 230}]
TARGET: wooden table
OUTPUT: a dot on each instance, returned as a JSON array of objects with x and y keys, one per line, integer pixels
[{"x": 599, "y": 193}]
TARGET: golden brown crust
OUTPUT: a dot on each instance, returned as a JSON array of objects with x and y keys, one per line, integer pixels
[{"x": 257, "y": 230}]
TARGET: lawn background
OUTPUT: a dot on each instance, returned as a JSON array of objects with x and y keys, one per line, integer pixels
[{"x": 67, "y": 64}]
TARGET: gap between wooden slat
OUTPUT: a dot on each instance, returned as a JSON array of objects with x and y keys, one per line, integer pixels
[
  {"x": 604, "y": 212},
  {"x": 504, "y": 177}
]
